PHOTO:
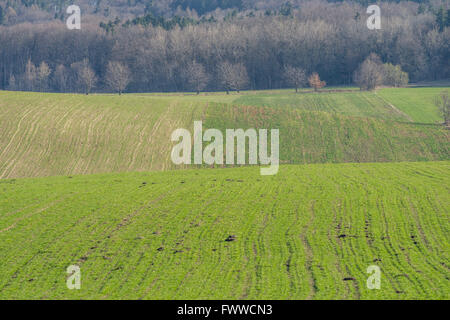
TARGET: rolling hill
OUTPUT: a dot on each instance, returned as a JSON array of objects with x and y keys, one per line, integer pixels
[
  {"x": 309, "y": 232},
  {"x": 66, "y": 134},
  {"x": 88, "y": 181}
]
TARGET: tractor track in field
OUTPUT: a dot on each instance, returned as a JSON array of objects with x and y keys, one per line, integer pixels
[
  {"x": 391, "y": 250},
  {"x": 5, "y": 149},
  {"x": 290, "y": 250},
  {"x": 163, "y": 118},
  {"x": 347, "y": 272},
  {"x": 9, "y": 160},
  {"x": 432, "y": 235},
  {"x": 193, "y": 223},
  {"x": 125, "y": 222},
  {"x": 425, "y": 241},
  {"x": 350, "y": 241},
  {"x": 444, "y": 231},
  {"x": 394, "y": 108},
  {"x": 38, "y": 253},
  {"x": 143, "y": 295},
  {"x": 143, "y": 132},
  {"x": 14, "y": 224},
  {"x": 370, "y": 238},
  {"x": 16, "y": 273},
  {"x": 7, "y": 214},
  {"x": 309, "y": 253},
  {"x": 62, "y": 235},
  {"x": 181, "y": 241},
  {"x": 258, "y": 267},
  {"x": 32, "y": 131},
  {"x": 417, "y": 226},
  {"x": 255, "y": 246},
  {"x": 337, "y": 242},
  {"x": 91, "y": 137},
  {"x": 88, "y": 123}
]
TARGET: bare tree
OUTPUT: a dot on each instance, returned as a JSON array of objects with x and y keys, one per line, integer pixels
[
  {"x": 43, "y": 73},
  {"x": 118, "y": 76},
  {"x": 233, "y": 76},
  {"x": 30, "y": 76},
  {"x": 443, "y": 103},
  {"x": 85, "y": 75},
  {"x": 12, "y": 83},
  {"x": 369, "y": 75},
  {"x": 295, "y": 77},
  {"x": 61, "y": 77},
  {"x": 196, "y": 76},
  {"x": 315, "y": 82}
]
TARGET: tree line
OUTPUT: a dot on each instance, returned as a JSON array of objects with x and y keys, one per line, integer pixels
[
  {"x": 33, "y": 8},
  {"x": 244, "y": 51}
]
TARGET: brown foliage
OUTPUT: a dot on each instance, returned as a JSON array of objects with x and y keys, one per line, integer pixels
[{"x": 315, "y": 82}]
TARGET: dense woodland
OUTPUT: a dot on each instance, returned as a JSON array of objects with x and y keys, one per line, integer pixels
[{"x": 179, "y": 45}]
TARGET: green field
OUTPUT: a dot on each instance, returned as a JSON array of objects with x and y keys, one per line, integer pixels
[
  {"x": 417, "y": 103},
  {"x": 401, "y": 104},
  {"x": 61, "y": 134},
  {"x": 324, "y": 137},
  {"x": 299, "y": 234},
  {"x": 88, "y": 181},
  {"x": 56, "y": 134}
]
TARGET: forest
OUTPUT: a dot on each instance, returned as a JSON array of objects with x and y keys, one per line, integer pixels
[{"x": 189, "y": 45}]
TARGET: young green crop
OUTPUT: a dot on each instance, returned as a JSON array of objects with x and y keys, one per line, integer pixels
[
  {"x": 417, "y": 103},
  {"x": 309, "y": 232},
  {"x": 62, "y": 134},
  {"x": 320, "y": 137}
]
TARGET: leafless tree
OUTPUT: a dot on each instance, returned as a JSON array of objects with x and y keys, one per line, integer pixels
[
  {"x": 118, "y": 76},
  {"x": 443, "y": 103},
  {"x": 85, "y": 75},
  {"x": 369, "y": 75},
  {"x": 233, "y": 76},
  {"x": 30, "y": 76},
  {"x": 196, "y": 76},
  {"x": 43, "y": 72},
  {"x": 295, "y": 77},
  {"x": 60, "y": 77},
  {"x": 12, "y": 83}
]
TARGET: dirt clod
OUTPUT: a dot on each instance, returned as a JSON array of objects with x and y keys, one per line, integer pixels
[{"x": 230, "y": 238}]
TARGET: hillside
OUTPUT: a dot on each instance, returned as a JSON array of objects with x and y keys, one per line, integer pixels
[
  {"x": 53, "y": 134},
  {"x": 309, "y": 232},
  {"x": 418, "y": 104},
  {"x": 64, "y": 134},
  {"x": 400, "y": 104}
]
